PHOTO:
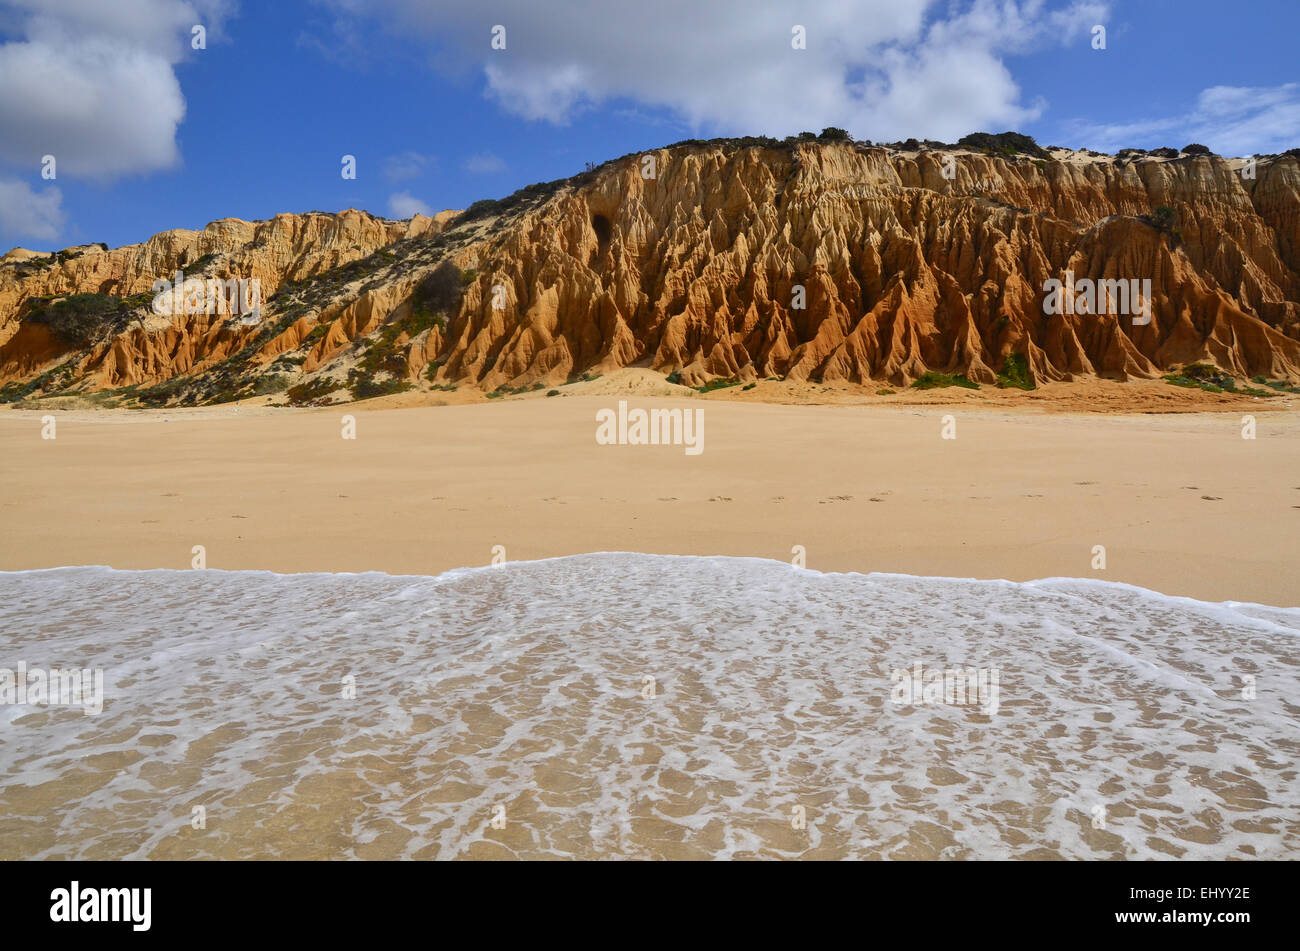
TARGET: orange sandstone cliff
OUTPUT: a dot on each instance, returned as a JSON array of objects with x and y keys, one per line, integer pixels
[{"x": 814, "y": 261}]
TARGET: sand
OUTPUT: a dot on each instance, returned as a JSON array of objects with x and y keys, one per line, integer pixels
[{"x": 1181, "y": 502}]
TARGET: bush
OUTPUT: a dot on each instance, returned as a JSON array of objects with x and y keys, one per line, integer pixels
[
  {"x": 271, "y": 383},
  {"x": 720, "y": 384},
  {"x": 365, "y": 387},
  {"x": 1015, "y": 373},
  {"x": 552, "y": 392},
  {"x": 311, "y": 391},
  {"x": 934, "y": 381},
  {"x": 440, "y": 291},
  {"x": 80, "y": 319},
  {"x": 1005, "y": 143},
  {"x": 832, "y": 134},
  {"x": 1196, "y": 149},
  {"x": 1164, "y": 153},
  {"x": 1163, "y": 217}
]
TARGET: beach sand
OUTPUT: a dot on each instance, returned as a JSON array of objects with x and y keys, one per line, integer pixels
[{"x": 1181, "y": 502}]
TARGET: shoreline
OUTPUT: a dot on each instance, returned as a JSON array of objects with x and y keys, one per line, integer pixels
[{"x": 452, "y": 573}]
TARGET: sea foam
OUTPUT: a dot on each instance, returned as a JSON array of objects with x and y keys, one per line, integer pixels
[{"x": 623, "y": 705}]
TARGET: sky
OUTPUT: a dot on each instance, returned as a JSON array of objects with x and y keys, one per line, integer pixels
[{"x": 120, "y": 118}]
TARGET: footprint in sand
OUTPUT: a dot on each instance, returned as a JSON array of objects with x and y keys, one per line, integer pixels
[
  {"x": 670, "y": 498},
  {"x": 721, "y": 498},
  {"x": 835, "y": 498},
  {"x": 1212, "y": 498}
]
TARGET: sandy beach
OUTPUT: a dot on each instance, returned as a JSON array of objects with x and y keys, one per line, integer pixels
[{"x": 1181, "y": 502}]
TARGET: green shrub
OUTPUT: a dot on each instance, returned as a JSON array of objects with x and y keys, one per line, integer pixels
[
  {"x": 271, "y": 383},
  {"x": 1005, "y": 143},
  {"x": 80, "y": 319},
  {"x": 1015, "y": 373},
  {"x": 553, "y": 393},
  {"x": 717, "y": 385},
  {"x": 930, "y": 380},
  {"x": 366, "y": 387},
  {"x": 311, "y": 391}
]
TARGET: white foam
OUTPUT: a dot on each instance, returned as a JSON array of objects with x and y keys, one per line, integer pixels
[{"x": 521, "y": 685}]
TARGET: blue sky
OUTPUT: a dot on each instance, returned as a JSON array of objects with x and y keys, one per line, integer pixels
[{"x": 150, "y": 134}]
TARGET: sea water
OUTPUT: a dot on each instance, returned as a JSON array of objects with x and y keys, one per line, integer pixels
[{"x": 640, "y": 706}]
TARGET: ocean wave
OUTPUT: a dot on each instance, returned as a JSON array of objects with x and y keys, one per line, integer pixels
[{"x": 624, "y": 705}]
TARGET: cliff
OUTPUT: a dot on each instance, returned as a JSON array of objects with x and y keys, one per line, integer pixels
[{"x": 813, "y": 261}]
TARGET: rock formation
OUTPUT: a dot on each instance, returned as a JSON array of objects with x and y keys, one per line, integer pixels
[{"x": 813, "y": 261}]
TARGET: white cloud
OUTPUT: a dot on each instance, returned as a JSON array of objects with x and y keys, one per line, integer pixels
[
  {"x": 405, "y": 205},
  {"x": 880, "y": 68},
  {"x": 406, "y": 165},
  {"x": 484, "y": 163},
  {"x": 27, "y": 213},
  {"x": 93, "y": 84},
  {"x": 1231, "y": 120}
]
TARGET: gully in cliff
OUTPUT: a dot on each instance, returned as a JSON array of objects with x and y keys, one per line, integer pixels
[
  {"x": 1106, "y": 297},
  {"x": 194, "y": 295}
]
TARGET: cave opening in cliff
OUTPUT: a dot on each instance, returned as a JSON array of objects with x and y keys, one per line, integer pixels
[{"x": 603, "y": 231}]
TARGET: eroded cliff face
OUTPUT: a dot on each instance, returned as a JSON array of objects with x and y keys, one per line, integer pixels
[
  {"x": 149, "y": 348},
  {"x": 902, "y": 269},
  {"x": 829, "y": 262}
]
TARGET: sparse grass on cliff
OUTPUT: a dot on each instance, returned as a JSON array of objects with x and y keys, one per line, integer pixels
[
  {"x": 1202, "y": 376},
  {"x": 311, "y": 391},
  {"x": 930, "y": 380},
  {"x": 82, "y": 319},
  {"x": 716, "y": 385},
  {"x": 366, "y": 387}
]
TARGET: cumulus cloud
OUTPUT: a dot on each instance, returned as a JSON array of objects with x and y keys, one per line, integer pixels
[
  {"x": 484, "y": 164},
  {"x": 1231, "y": 120},
  {"x": 28, "y": 213},
  {"x": 405, "y": 205},
  {"x": 881, "y": 68},
  {"x": 93, "y": 84}
]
